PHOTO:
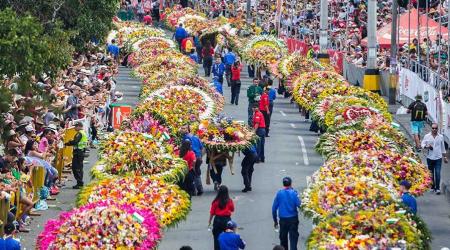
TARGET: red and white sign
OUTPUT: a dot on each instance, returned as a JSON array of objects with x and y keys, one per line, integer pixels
[{"x": 119, "y": 114}]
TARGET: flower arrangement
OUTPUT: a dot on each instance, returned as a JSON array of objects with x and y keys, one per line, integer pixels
[
  {"x": 381, "y": 229},
  {"x": 147, "y": 55},
  {"x": 164, "y": 62},
  {"x": 168, "y": 202},
  {"x": 298, "y": 64},
  {"x": 193, "y": 23},
  {"x": 127, "y": 36},
  {"x": 178, "y": 105},
  {"x": 308, "y": 86},
  {"x": 223, "y": 134},
  {"x": 174, "y": 14},
  {"x": 133, "y": 153},
  {"x": 349, "y": 90},
  {"x": 153, "y": 43},
  {"x": 349, "y": 141},
  {"x": 263, "y": 50},
  {"x": 102, "y": 225},
  {"x": 344, "y": 194},
  {"x": 148, "y": 125}
]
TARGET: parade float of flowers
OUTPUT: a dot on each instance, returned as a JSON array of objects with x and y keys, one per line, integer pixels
[
  {"x": 224, "y": 134},
  {"x": 178, "y": 105},
  {"x": 173, "y": 15},
  {"x": 176, "y": 62},
  {"x": 153, "y": 43},
  {"x": 308, "y": 86},
  {"x": 167, "y": 201},
  {"x": 296, "y": 63},
  {"x": 350, "y": 90},
  {"x": 375, "y": 229},
  {"x": 102, "y": 225},
  {"x": 145, "y": 56},
  {"x": 133, "y": 153},
  {"x": 127, "y": 36},
  {"x": 263, "y": 50},
  {"x": 344, "y": 194},
  {"x": 194, "y": 23}
]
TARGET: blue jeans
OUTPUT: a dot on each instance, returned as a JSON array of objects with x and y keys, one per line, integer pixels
[
  {"x": 261, "y": 133},
  {"x": 435, "y": 168},
  {"x": 250, "y": 114}
]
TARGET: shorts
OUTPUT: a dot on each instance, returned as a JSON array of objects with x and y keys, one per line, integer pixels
[{"x": 416, "y": 127}]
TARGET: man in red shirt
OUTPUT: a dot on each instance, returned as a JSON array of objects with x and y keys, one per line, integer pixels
[
  {"x": 259, "y": 125},
  {"x": 264, "y": 107}
]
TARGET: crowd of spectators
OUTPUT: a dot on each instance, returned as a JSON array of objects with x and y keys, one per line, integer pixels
[{"x": 31, "y": 135}]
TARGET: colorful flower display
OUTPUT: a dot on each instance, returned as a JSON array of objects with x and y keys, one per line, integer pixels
[
  {"x": 223, "y": 134},
  {"x": 193, "y": 23},
  {"x": 167, "y": 201},
  {"x": 308, "y": 86},
  {"x": 263, "y": 50},
  {"x": 171, "y": 61},
  {"x": 102, "y": 225},
  {"x": 378, "y": 229},
  {"x": 133, "y": 153},
  {"x": 296, "y": 63}
]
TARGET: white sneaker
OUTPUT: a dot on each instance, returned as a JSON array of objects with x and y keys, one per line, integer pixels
[{"x": 438, "y": 192}]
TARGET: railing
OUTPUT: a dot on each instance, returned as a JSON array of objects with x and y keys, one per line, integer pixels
[{"x": 430, "y": 76}]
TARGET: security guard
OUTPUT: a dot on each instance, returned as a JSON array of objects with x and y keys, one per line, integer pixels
[{"x": 79, "y": 143}]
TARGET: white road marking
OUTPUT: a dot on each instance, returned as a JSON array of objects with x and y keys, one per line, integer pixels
[
  {"x": 282, "y": 113},
  {"x": 293, "y": 125},
  {"x": 305, "y": 155}
]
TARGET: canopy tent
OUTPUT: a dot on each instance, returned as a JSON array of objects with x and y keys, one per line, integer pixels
[{"x": 410, "y": 28}]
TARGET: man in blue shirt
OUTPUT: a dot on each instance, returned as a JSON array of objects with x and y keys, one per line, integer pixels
[
  {"x": 8, "y": 242},
  {"x": 218, "y": 69},
  {"x": 218, "y": 85},
  {"x": 286, "y": 203},
  {"x": 197, "y": 147},
  {"x": 230, "y": 240},
  {"x": 229, "y": 58},
  {"x": 407, "y": 198},
  {"x": 113, "y": 49},
  {"x": 193, "y": 56},
  {"x": 180, "y": 34}
]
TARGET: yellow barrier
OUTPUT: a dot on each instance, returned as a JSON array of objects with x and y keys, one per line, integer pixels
[
  {"x": 38, "y": 179},
  {"x": 69, "y": 134},
  {"x": 4, "y": 209},
  {"x": 17, "y": 204}
]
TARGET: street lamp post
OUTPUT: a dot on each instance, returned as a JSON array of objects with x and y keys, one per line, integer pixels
[
  {"x": 249, "y": 11},
  {"x": 323, "y": 36},
  {"x": 393, "y": 78},
  {"x": 372, "y": 74}
]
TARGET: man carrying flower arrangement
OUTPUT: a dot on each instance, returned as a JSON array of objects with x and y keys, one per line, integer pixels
[{"x": 197, "y": 147}]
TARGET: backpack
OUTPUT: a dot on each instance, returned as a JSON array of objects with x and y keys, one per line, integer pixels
[{"x": 419, "y": 111}]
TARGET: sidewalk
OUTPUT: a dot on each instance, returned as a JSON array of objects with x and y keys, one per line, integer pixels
[{"x": 434, "y": 209}]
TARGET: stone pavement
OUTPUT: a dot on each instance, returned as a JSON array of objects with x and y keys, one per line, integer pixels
[{"x": 434, "y": 209}]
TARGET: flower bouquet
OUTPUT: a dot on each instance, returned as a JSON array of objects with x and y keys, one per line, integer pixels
[
  {"x": 194, "y": 23},
  {"x": 129, "y": 35},
  {"x": 263, "y": 50},
  {"x": 148, "y": 125},
  {"x": 133, "y": 153},
  {"x": 147, "y": 55},
  {"x": 102, "y": 225},
  {"x": 349, "y": 141},
  {"x": 168, "y": 202},
  {"x": 165, "y": 63},
  {"x": 174, "y": 14},
  {"x": 378, "y": 229},
  {"x": 178, "y": 105},
  {"x": 308, "y": 86},
  {"x": 344, "y": 194},
  {"x": 160, "y": 79},
  {"x": 153, "y": 43},
  {"x": 349, "y": 90},
  {"x": 298, "y": 64}
]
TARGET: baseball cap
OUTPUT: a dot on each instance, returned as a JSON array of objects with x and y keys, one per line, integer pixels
[
  {"x": 406, "y": 184},
  {"x": 231, "y": 225},
  {"x": 287, "y": 181},
  {"x": 29, "y": 128}
]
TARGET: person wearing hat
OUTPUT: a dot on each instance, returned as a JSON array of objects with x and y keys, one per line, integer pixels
[
  {"x": 407, "y": 199},
  {"x": 285, "y": 207},
  {"x": 419, "y": 112},
  {"x": 259, "y": 125},
  {"x": 229, "y": 239},
  {"x": 8, "y": 241},
  {"x": 79, "y": 143}
]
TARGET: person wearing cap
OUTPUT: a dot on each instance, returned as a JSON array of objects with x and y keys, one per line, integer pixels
[
  {"x": 218, "y": 69},
  {"x": 419, "y": 113},
  {"x": 259, "y": 125},
  {"x": 7, "y": 241},
  {"x": 253, "y": 94},
  {"x": 113, "y": 49},
  {"x": 286, "y": 203},
  {"x": 407, "y": 199},
  {"x": 229, "y": 239},
  {"x": 79, "y": 143},
  {"x": 434, "y": 145}
]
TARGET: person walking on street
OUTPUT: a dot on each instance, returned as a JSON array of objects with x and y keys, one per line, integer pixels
[
  {"x": 188, "y": 155},
  {"x": 264, "y": 107},
  {"x": 218, "y": 69},
  {"x": 79, "y": 143},
  {"x": 272, "y": 97},
  {"x": 254, "y": 95},
  {"x": 419, "y": 113},
  {"x": 198, "y": 47},
  {"x": 218, "y": 85},
  {"x": 207, "y": 55},
  {"x": 286, "y": 203},
  {"x": 229, "y": 59},
  {"x": 235, "y": 82},
  {"x": 407, "y": 199},
  {"x": 220, "y": 162},
  {"x": 250, "y": 157},
  {"x": 259, "y": 126},
  {"x": 230, "y": 240},
  {"x": 221, "y": 210},
  {"x": 180, "y": 34},
  {"x": 433, "y": 142},
  {"x": 197, "y": 147}
]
